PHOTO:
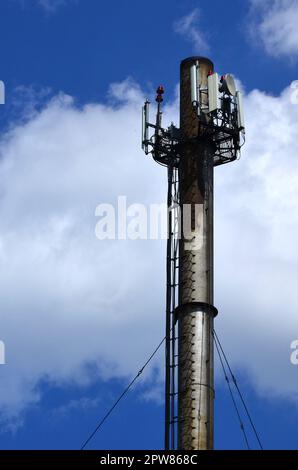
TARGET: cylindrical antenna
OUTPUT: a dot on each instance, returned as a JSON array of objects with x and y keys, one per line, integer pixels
[{"x": 194, "y": 84}]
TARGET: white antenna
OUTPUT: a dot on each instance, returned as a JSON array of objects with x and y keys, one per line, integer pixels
[
  {"x": 145, "y": 129},
  {"x": 194, "y": 84},
  {"x": 240, "y": 113},
  {"x": 228, "y": 85},
  {"x": 213, "y": 93}
]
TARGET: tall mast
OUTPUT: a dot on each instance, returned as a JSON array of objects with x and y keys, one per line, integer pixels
[{"x": 211, "y": 127}]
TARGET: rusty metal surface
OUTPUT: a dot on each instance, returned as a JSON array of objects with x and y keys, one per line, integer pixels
[{"x": 195, "y": 403}]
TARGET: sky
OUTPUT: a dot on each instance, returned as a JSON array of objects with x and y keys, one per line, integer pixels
[{"x": 80, "y": 316}]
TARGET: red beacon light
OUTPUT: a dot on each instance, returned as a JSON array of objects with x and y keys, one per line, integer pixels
[{"x": 160, "y": 91}]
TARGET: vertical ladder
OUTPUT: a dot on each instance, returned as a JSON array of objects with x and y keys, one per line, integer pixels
[{"x": 171, "y": 353}]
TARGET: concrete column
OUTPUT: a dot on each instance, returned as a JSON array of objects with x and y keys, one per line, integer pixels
[{"x": 195, "y": 312}]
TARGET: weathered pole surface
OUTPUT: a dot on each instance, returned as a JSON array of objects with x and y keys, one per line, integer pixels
[{"x": 195, "y": 312}]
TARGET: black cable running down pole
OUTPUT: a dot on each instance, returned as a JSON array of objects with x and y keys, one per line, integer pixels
[
  {"x": 231, "y": 393},
  {"x": 239, "y": 392},
  {"x": 122, "y": 395}
]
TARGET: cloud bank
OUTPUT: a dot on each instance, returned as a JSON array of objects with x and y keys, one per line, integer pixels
[{"x": 69, "y": 301}]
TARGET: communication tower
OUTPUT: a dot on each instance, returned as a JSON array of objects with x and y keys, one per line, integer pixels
[{"x": 211, "y": 133}]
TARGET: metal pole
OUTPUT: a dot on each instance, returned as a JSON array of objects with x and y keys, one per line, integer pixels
[
  {"x": 195, "y": 312},
  {"x": 168, "y": 314}
]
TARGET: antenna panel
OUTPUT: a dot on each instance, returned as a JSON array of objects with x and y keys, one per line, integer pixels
[
  {"x": 145, "y": 130},
  {"x": 194, "y": 83},
  {"x": 240, "y": 113},
  {"x": 213, "y": 94}
]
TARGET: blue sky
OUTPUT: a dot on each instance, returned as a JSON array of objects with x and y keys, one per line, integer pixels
[{"x": 66, "y": 362}]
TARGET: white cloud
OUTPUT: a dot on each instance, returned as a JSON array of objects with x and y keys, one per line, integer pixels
[
  {"x": 274, "y": 22},
  {"x": 188, "y": 27},
  {"x": 49, "y": 6},
  {"x": 86, "y": 404},
  {"x": 68, "y": 299}
]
